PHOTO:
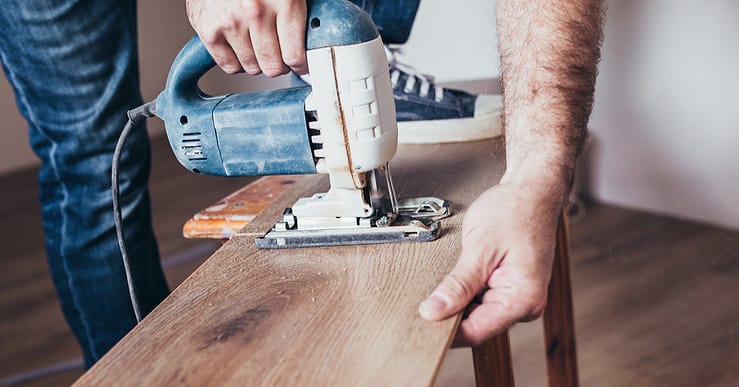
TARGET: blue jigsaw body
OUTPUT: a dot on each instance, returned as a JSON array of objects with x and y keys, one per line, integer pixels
[{"x": 251, "y": 134}]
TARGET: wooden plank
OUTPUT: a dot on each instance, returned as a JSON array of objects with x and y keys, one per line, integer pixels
[
  {"x": 493, "y": 363},
  {"x": 226, "y": 217},
  {"x": 319, "y": 316},
  {"x": 559, "y": 320}
]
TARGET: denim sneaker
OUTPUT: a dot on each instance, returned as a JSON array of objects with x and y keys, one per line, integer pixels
[{"x": 428, "y": 113}]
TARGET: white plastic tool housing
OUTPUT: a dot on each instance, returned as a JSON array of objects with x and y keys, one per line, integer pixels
[{"x": 353, "y": 98}]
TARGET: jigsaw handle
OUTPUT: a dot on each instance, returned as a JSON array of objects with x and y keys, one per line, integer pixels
[
  {"x": 191, "y": 64},
  {"x": 330, "y": 23}
]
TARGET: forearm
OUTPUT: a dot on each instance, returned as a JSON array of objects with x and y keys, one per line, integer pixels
[{"x": 549, "y": 52}]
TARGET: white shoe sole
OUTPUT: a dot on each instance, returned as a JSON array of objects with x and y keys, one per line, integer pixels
[{"x": 487, "y": 123}]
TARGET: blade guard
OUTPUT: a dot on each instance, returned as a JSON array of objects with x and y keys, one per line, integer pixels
[{"x": 251, "y": 134}]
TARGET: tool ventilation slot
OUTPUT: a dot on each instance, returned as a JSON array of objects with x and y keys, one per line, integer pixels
[
  {"x": 192, "y": 146},
  {"x": 314, "y": 135}
]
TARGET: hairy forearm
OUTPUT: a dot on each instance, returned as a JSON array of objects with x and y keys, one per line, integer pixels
[{"x": 549, "y": 52}]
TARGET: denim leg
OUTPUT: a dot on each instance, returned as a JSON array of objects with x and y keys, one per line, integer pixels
[
  {"x": 393, "y": 18},
  {"x": 74, "y": 69}
]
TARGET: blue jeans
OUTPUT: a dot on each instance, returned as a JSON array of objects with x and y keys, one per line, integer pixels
[
  {"x": 393, "y": 18},
  {"x": 74, "y": 71}
]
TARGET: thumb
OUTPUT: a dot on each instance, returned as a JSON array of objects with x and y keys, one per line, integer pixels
[{"x": 456, "y": 290}]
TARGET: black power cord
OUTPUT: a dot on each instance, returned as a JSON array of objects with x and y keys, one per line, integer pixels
[{"x": 135, "y": 115}]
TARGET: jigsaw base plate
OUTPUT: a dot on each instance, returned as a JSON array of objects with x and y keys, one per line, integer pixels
[{"x": 413, "y": 231}]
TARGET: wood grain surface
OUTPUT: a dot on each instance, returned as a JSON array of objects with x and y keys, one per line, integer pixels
[
  {"x": 559, "y": 330},
  {"x": 226, "y": 217},
  {"x": 318, "y": 316},
  {"x": 493, "y": 363}
]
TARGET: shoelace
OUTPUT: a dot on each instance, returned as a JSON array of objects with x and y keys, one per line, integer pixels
[{"x": 399, "y": 66}]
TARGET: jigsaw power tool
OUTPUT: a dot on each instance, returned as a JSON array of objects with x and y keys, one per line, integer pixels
[{"x": 342, "y": 125}]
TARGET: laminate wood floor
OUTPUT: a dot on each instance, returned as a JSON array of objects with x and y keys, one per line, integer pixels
[{"x": 655, "y": 297}]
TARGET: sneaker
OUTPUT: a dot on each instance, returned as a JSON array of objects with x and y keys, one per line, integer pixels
[{"x": 428, "y": 113}]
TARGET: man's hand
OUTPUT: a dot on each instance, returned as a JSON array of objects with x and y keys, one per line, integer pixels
[
  {"x": 256, "y": 36},
  {"x": 505, "y": 265}
]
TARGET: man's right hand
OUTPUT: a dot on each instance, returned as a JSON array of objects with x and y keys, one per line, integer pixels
[{"x": 256, "y": 36}]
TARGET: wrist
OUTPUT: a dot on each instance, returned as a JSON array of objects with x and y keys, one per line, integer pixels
[{"x": 545, "y": 181}]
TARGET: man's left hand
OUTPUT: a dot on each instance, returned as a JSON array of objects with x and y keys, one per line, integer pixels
[{"x": 501, "y": 278}]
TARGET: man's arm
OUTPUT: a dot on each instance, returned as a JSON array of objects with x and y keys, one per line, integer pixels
[
  {"x": 256, "y": 36},
  {"x": 549, "y": 52}
]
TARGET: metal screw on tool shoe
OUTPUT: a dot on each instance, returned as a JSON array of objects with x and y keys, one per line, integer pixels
[{"x": 381, "y": 222}]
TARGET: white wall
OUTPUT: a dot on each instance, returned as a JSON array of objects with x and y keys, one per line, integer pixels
[
  {"x": 455, "y": 41},
  {"x": 666, "y": 120}
]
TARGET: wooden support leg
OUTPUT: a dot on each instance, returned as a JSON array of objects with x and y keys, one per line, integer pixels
[
  {"x": 493, "y": 367},
  {"x": 559, "y": 326}
]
